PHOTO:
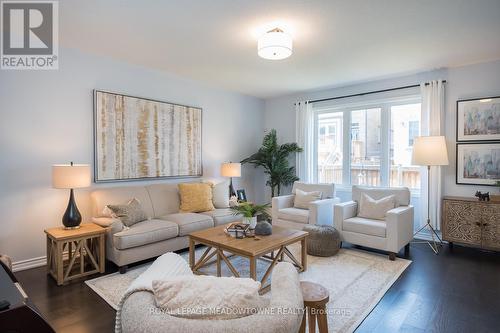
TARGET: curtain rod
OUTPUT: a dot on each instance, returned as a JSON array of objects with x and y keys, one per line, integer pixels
[{"x": 365, "y": 93}]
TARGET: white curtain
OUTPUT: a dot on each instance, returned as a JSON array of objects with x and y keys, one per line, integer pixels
[
  {"x": 433, "y": 117},
  {"x": 304, "y": 134}
]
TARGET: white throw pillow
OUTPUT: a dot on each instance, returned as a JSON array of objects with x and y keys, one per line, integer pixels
[
  {"x": 220, "y": 194},
  {"x": 303, "y": 199},
  {"x": 375, "y": 209},
  {"x": 208, "y": 297}
]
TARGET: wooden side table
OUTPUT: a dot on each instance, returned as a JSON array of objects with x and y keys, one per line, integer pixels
[
  {"x": 85, "y": 252},
  {"x": 315, "y": 298}
]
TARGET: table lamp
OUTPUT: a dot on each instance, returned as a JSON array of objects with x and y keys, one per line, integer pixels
[
  {"x": 429, "y": 151},
  {"x": 71, "y": 176},
  {"x": 230, "y": 170}
]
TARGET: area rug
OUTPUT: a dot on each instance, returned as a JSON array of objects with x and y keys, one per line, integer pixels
[{"x": 356, "y": 279}]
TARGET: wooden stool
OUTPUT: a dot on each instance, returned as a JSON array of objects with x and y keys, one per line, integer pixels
[{"x": 315, "y": 298}]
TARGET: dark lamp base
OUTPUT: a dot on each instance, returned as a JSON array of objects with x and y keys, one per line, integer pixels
[{"x": 72, "y": 217}]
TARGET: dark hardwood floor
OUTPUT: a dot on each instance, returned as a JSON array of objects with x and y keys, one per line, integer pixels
[{"x": 455, "y": 291}]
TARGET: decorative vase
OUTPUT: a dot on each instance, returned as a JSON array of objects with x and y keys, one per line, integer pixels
[
  {"x": 252, "y": 221},
  {"x": 263, "y": 228}
]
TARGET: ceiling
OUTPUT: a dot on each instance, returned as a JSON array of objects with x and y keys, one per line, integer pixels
[{"x": 336, "y": 42}]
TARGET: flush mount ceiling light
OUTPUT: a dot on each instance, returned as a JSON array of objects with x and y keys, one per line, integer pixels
[{"x": 275, "y": 45}]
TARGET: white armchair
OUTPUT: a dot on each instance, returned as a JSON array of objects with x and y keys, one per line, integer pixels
[
  {"x": 391, "y": 234},
  {"x": 320, "y": 211}
]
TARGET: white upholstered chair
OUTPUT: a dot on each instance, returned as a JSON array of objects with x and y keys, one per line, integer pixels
[
  {"x": 320, "y": 211},
  {"x": 391, "y": 234}
]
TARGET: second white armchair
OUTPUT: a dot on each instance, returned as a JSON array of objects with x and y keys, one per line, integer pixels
[{"x": 286, "y": 214}]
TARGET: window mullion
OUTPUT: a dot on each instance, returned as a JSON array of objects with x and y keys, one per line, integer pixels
[
  {"x": 385, "y": 129},
  {"x": 346, "y": 147}
]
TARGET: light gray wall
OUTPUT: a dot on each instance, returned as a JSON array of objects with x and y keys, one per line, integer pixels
[
  {"x": 478, "y": 80},
  {"x": 46, "y": 118}
]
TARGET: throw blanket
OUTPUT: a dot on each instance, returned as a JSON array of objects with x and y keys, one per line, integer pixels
[{"x": 166, "y": 266}]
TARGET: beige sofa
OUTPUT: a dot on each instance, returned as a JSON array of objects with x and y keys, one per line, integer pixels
[{"x": 166, "y": 229}]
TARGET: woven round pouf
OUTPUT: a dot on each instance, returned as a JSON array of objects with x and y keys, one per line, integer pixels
[{"x": 323, "y": 240}]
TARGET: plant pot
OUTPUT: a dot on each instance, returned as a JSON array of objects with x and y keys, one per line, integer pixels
[
  {"x": 495, "y": 197},
  {"x": 252, "y": 221}
]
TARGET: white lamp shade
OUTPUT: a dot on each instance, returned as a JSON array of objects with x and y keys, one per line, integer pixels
[
  {"x": 430, "y": 150},
  {"x": 275, "y": 45},
  {"x": 71, "y": 176},
  {"x": 230, "y": 169}
]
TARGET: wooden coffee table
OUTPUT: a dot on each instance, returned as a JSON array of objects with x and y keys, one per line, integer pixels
[{"x": 218, "y": 242}]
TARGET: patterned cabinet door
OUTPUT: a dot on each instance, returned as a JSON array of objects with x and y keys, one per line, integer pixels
[
  {"x": 491, "y": 227},
  {"x": 462, "y": 221}
]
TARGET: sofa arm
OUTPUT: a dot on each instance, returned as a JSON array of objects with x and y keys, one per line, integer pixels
[
  {"x": 399, "y": 227},
  {"x": 281, "y": 202},
  {"x": 343, "y": 211},
  {"x": 113, "y": 225},
  {"x": 321, "y": 211}
]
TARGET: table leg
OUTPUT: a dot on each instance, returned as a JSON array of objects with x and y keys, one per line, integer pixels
[
  {"x": 303, "y": 243},
  {"x": 191, "y": 253},
  {"x": 218, "y": 263},
  {"x": 322, "y": 320},
  {"x": 253, "y": 268},
  {"x": 59, "y": 263},
  {"x": 312, "y": 320},
  {"x": 302, "y": 328},
  {"x": 102, "y": 254},
  {"x": 49, "y": 255}
]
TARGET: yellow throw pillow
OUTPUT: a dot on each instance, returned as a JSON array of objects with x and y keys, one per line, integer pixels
[{"x": 196, "y": 197}]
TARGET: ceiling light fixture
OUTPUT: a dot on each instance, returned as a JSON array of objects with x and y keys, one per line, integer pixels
[{"x": 275, "y": 45}]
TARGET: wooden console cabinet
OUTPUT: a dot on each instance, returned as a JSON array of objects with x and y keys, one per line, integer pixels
[{"x": 472, "y": 222}]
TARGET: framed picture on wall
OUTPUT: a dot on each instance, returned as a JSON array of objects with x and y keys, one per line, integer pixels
[
  {"x": 478, "y": 119},
  {"x": 478, "y": 163}
]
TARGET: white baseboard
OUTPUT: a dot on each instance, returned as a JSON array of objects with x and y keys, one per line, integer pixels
[{"x": 29, "y": 263}]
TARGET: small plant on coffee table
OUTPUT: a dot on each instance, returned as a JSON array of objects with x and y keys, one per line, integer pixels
[{"x": 248, "y": 209}]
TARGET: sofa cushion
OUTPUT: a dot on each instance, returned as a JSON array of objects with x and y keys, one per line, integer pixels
[
  {"x": 189, "y": 222},
  {"x": 165, "y": 198},
  {"x": 222, "y": 216},
  {"x": 196, "y": 197},
  {"x": 365, "y": 226},
  {"x": 145, "y": 232},
  {"x": 294, "y": 214}
]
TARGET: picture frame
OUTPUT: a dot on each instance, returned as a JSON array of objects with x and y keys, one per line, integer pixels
[
  {"x": 138, "y": 138},
  {"x": 478, "y": 119},
  {"x": 478, "y": 163},
  {"x": 242, "y": 197}
]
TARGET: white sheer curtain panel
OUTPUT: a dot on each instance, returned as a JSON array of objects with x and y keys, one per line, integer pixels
[
  {"x": 304, "y": 133},
  {"x": 432, "y": 121}
]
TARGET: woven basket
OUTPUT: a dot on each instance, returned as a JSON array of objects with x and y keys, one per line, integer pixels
[{"x": 323, "y": 240}]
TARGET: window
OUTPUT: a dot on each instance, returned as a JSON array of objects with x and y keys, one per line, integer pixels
[
  {"x": 376, "y": 140},
  {"x": 413, "y": 129},
  {"x": 329, "y": 149},
  {"x": 365, "y": 147},
  {"x": 405, "y": 126}
]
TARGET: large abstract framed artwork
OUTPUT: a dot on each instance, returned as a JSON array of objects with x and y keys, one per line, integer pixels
[
  {"x": 138, "y": 138},
  {"x": 478, "y": 119},
  {"x": 478, "y": 163}
]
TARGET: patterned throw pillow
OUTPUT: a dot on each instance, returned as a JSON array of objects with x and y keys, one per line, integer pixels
[
  {"x": 130, "y": 213},
  {"x": 196, "y": 197}
]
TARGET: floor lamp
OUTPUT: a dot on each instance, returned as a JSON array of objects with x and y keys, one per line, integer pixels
[{"x": 429, "y": 151}]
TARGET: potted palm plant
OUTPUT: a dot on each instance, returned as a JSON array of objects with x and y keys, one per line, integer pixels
[
  {"x": 273, "y": 157},
  {"x": 250, "y": 211}
]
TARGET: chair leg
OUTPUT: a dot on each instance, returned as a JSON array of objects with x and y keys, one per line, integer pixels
[
  {"x": 407, "y": 249},
  {"x": 392, "y": 256},
  {"x": 123, "y": 269}
]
